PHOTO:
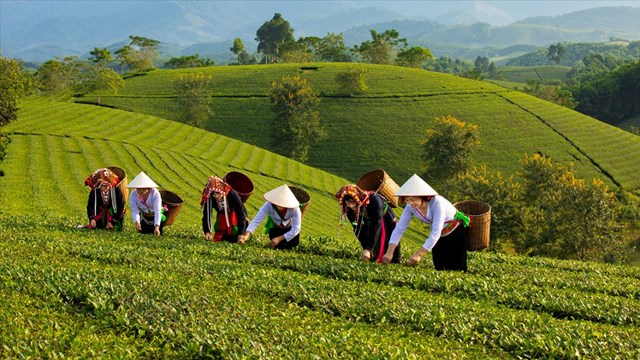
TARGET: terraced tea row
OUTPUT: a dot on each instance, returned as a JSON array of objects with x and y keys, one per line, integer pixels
[
  {"x": 608, "y": 147},
  {"x": 195, "y": 297}
]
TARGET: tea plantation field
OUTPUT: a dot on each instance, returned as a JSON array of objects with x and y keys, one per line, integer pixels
[
  {"x": 73, "y": 293},
  {"x": 522, "y": 74},
  {"x": 384, "y": 127}
]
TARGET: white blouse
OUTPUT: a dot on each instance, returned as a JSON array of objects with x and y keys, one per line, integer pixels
[
  {"x": 439, "y": 211},
  {"x": 153, "y": 205},
  {"x": 292, "y": 217}
]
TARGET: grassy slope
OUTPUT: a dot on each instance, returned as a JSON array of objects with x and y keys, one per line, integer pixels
[{"x": 384, "y": 127}]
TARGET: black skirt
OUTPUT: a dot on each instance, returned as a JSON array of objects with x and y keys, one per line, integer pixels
[
  {"x": 450, "y": 252},
  {"x": 148, "y": 227},
  {"x": 284, "y": 244}
]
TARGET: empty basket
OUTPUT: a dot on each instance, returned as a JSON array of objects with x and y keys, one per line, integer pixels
[
  {"x": 480, "y": 214},
  {"x": 173, "y": 203},
  {"x": 378, "y": 180}
]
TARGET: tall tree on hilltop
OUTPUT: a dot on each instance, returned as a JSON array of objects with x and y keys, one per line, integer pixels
[
  {"x": 297, "y": 121},
  {"x": 271, "y": 35},
  {"x": 332, "y": 48},
  {"x": 61, "y": 76},
  {"x": 413, "y": 57},
  {"x": 555, "y": 53},
  {"x": 139, "y": 54},
  {"x": 101, "y": 78},
  {"x": 238, "y": 50},
  {"x": 482, "y": 63},
  {"x": 381, "y": 48},
  {"x": 100, "y": 56},
  {"x": 300, "y": 51}
]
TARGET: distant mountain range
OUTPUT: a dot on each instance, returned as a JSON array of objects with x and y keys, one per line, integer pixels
[{"x": 41, "y": 30}]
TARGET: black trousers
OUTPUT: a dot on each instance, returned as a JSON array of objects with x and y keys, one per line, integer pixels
[
  {"x": 450, "y": 252},
  {"x": 284, "y": 244},
  {"x": 146, "y": 228},
  {"x": 230, "y": 238}
]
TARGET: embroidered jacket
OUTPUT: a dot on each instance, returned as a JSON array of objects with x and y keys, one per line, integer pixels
[{"x": 234, "y": 204}]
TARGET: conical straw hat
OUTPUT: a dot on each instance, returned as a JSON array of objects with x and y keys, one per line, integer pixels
[
  {"x": 415, "y": 186},
  {"x": 282, "y": 196},
  {"x": 142, "y": 181}
]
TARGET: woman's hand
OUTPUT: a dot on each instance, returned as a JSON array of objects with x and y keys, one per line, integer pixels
[
  {"x": 366, "y": 255},
  {"x": 138, "y": 226},
  {"x": 414, "y": 259},
  {"x": 156, "y": 230},
  {"x": 92, "y": 223},
  {"x": 208, "y": 237},
  {"x": 243, "y": 238},
  {"x": 276, "y": 240},
  {"x": 388, "y": 256},
  {"x": 109, "y": 226}
]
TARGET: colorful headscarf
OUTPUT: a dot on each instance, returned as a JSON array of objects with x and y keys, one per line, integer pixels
[
  {"x": 215, "y": 184},
  {"x": 102, "y": 176},
  {"x": 359, "y": 196}
]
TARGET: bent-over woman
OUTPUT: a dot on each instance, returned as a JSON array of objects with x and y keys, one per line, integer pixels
[
  {"x": 449, "y": 227},
  {"x": 284, "y": 218},
  {"x": 147, "y": 211},
  {"x": 372, "y": 220},
  {"x": 105, "y": 207},
  {"x": 231, "y": 215}
]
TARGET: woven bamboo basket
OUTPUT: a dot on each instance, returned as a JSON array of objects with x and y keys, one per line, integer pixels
[
  {"x": 302, "y": 196},
  {"x": 174, "y": 204},
  {"x": 378, "y": 180},
  {"x": 240, "y": 183},
  {"x": 122, "y": 185},
  {"x": 480, "y": 214}
]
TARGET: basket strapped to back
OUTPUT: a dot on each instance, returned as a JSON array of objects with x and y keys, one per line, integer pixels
[
  {"x": 173, "y": 203},
  {"x": 480, "y": 214},
  {"x": 380, "y": 182}
]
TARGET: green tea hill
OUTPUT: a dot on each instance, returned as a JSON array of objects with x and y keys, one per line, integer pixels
[
  {"x": 384, "y": 127},
  {"x": 74, "y": 293}
]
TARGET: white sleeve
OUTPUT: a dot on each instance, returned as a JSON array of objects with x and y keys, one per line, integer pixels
[
  {"x": 402, "y": 225},
  {"x": 296, "y": 225},
  {"x": 260, "y": 216},
  {"x": 157, "y": 207},
  {"x": 133, "y": 203},
  {"x": 437, "y": 224}
]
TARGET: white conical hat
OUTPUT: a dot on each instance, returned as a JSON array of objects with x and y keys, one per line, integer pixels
[
  {"x": 282, "y": 196},
  {"x": 415, "y": 186},
  {"x": 142, "y": 181}
]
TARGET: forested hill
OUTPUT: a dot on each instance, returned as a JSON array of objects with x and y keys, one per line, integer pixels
[
  {"x": 384, "y": 127},
  {"x": 576, "y": 52},
  {"x": 625, "y": 23}
]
